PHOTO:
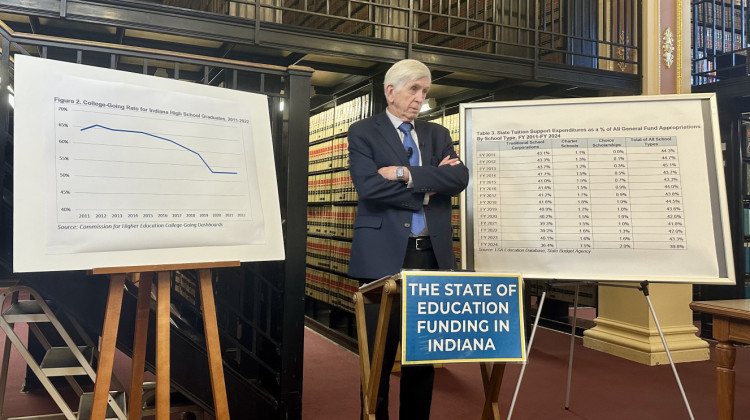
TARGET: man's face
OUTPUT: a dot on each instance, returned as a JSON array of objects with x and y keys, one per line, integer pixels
[{"x": 406, "y": 102}]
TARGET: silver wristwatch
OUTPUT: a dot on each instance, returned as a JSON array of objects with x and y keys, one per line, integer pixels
[{"x": 400, "y": 173}]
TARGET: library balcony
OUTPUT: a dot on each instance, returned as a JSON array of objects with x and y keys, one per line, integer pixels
[{"x": 512, "y": 49}]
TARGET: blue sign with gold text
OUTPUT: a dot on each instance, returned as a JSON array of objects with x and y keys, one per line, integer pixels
[{"x": 461, "y": 317}]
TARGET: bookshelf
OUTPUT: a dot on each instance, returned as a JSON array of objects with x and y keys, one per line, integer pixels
[
  {"x": 332, "y": 207},
  {"x": 564, "y": 30},
  {"x": 745, "y": 181},
  {"x": 720, "y": 32}
]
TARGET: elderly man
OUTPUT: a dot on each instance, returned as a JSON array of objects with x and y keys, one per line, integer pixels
[{"x": 405, "y": 172}]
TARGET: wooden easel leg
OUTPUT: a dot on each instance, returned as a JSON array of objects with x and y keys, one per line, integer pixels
[
  {"x": 213, "y": 346},
  {"x": 364, "y": 351},
  {"x": 162, "y": 345},
  {"x": 139, "y": 345},
  {"x": 492, "y": 379},
  {"x": 378, "y": 349},
  {"x": 107, "y": 350}
]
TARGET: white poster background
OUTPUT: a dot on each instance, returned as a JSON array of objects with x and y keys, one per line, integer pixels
[
  {"x": 121, "y": 169},
  {"x": 701, "y": 179}
]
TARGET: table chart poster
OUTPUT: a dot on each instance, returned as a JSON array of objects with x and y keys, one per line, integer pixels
[{"x": 627, "y": 188}]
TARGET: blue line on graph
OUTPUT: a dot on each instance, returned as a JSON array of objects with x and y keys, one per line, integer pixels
[{"x": 165, "y": 139}]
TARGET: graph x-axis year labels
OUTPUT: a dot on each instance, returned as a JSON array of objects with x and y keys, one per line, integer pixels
[
  {"x": 116, "y": 174},
  {"x": 119, "y": 169},
  {"x": 137, "y": 161}
]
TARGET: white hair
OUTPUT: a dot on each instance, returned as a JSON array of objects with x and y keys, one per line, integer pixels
[{"x": 405, "y": 71}]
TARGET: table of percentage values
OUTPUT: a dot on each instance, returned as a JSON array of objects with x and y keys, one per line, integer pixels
[{"x": 581, "y": 194}]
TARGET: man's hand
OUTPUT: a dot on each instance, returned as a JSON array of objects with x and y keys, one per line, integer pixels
[
  {"x": 447, "y": 161},
  {"x": 450, "y": 161},
  {"x": 389, "y": 173}
]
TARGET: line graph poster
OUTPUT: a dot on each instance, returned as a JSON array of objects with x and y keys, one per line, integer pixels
[{"x": 122, "y": 169}]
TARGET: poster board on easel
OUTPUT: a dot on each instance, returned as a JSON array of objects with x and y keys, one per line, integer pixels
[
  {"x": 117, "y": 169},
  {"x": 619, "y": 188},
  {"x": 126, "y": 174}
]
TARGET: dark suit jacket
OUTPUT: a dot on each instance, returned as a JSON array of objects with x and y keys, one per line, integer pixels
[{"x": 382, "y": 226}]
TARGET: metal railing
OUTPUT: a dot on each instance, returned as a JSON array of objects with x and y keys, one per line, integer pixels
[{"x": 581, "y": 33}]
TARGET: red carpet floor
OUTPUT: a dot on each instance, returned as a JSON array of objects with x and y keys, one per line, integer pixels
[{"x": 603, "y": 386}]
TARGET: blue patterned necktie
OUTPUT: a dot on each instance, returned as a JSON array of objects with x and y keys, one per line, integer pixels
[{"x": 417, "y": 218}]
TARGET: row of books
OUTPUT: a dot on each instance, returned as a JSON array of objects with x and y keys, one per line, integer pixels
[
  {"x": 732, "y": 17},
  {"x": 337, "y": 120},
  {"x": 246, "y": 10},
  {"x": 338, "y": 221},
  {"x": 328, "y": 254},
  {"x": 331, "y": 285},
  {"x": 331, "y": 154},
  {"x": 550, "y": 6},
  {"x": 719, "y": 2},
  {"x": 331, "y": 188},
  {"x": 451, "y": 123},
  {"x": 456, "y": 222},
  {"x": 719, "y": 40},
  {"x": 331, "y": 288},
  {"x": 331, "y": 220},
  {"x": 185, "y": 287},
  {"x": 704, "y": 68},
  {"x": 457, "y": 251}
]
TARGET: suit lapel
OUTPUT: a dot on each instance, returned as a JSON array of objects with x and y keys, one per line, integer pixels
[
  {"x": 425, "y": 145},
  {"x": 385, "y": 128}
]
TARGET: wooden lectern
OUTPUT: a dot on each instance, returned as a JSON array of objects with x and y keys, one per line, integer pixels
[
  {"x": 109, "y": 337},
  {"x": 383, "y": 291}
]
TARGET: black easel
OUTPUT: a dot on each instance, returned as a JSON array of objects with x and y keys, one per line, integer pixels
[{"x": 643, "y": 287}]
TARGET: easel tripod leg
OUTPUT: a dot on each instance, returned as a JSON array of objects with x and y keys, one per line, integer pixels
[
  {"x": 528, "y": 351},
  {"x": 644, "y": 289},
  {"x": 162, "y": 345},
  {"x": 107, "y": 351},
  {"x": 378, "y": 350},
  {"x": 139, "y": 345},
  {"x": 572, "y": 346},
  {"x": 364, "y": 351},
  {"x": 4, "y": 373},
  {"x": 492, "y": 379},
  {"x": 213, "y": 346}
]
